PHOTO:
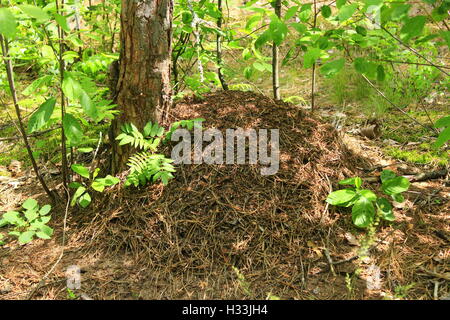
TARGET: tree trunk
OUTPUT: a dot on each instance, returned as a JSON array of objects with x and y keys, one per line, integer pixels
[
  {"x": 143, "y": 90},
  {"x": 275, "y": 59}
]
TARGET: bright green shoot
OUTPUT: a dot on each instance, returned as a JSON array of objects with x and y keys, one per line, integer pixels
[{"x": 365, "y": 203}]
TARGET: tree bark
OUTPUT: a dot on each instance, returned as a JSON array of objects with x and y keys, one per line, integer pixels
[{"x": 143, "y": 90}]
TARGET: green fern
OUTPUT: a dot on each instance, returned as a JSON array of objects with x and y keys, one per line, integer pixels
[
  {"x": 150, "y": 140},
  {"x": 145, "y": 167}
]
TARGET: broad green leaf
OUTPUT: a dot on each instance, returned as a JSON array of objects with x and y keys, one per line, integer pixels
[
  {"x": 42, "y": 115},
  {"x": 386, "y": 175},
  {"x": 348, "y": 181},
  {"x": 278, "y": 31},
  {"x": 385, "y": 209},
  {"x": 84, "y": 200},
  {"x": 340, "y": 3},
  {"x": 35, "y": 12},
  {"x": 26, "y": 237},
  {"x": 262, "y": 39},
  {"x": 325, "y": 11},
  {"x": 62, "y": 21},
  {"x": 290, "y": 12},
  {"x": 345, "y": 12},
  {"x": 443, "y": 137},
  {"x": 442, "y": 122},
  {"x": 413, "y": 27},
  {"x": 310, "y": 57},
  {"x": 363, "y": 212},
  {"x": 12, "y": 217},
  {"x": 398, "y": 197},
  {"x": 81, "y": 170},
  {"x": 7, "y": 23},
  {"x": 72, "y": 129},
  {"x": 77, "y": 194},
  {"x": 88, "y": 106},
  {"x": 330, "y": 69},
  {"x": 75, "y": 185},
  {"x": 361, "y": 30},
  {"x": 395, "y": 185},
  {"x": 341, "y": 197},
  {"x": 46, "y": 232},
  {"x": 30, "y": 204},
  {"x": 45, "y": 209},
  {"x": 98, "y": 185},
  {"x": 381, "y": 75},
  {"x": 31, "y": 214},
  {"x": 71, "y": 88},
  {"x": 3, "y": 222},
  {"x": 369, "y": 195},
  {"x": 36, "y": 84}
]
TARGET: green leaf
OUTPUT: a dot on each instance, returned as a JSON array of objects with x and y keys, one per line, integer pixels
[
  {"x": 325, "y": 11},
  {"x": 387, "y": 174},
  {"x": 347, "y": 11},
  {"x": 30, "y": 204},
  {"x": 98, "y": 185},
  {"x": 330, "y": 69},
  {"x": 381, "y": 75},
  {"x": 75, "y": 185},
  {"x": 290, "y": 12},
  {"x": 42, "y": 115},
  {"x": 363, "y": 212},
  {"x": 35, "y": 12},
  {"x": 443, "y": 137},
  {"x": 442, "y": 122},
  {"x": 361, "y": 65},
  {"x": 340, "y": 3},
  {"x": 262, "y": 39},
  {"x": 7, "y": 23},
  {"x": 26, "y": 237},
  {"x": 36, "y": 84},
  {"x": 369, "y": 195},
  {"x": 72, "y": 129},
  {"x": 12, "y": 217},
  {"x": 31, "y": 214},
  {"x": 358, "y": 182},
  {"x": 85, "y": 200},
  {"x": 341, "y": 197},
  {"x": 398, "y": 197},
  {"x": 361, "y": 30},
  {"x": 395, "y": 185},
  {"x": 412, "y": 28},
  {"x": 71, "y": 88},
  {"x": 62, "y": 21},
  {"x": 77, "y": 194},
  {"x": 385, "y": 209},
  {"x": 310, "y": 57},
  {"x": 45, "y": 232},
  {"x": 81, "y": 170},
  {"x": 88, "y": 106},
  {"x": 348, "y": 181}
]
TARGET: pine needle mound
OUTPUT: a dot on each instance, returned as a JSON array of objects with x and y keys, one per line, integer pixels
[{"x": 213, "y": 222}]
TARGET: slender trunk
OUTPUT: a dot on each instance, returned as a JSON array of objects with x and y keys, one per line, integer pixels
[
  {"x": 9, "y": 74},
  {"x": 64, "y": 165},
  {"x": 219, "y": 47},
  {"x": 313, "y": 72},
  {"x": 143, "y": 87},
  {"x": 275, "y": 59}
]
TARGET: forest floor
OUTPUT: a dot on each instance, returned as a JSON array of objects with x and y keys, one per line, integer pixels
[{"x": 227, "y": 232}]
